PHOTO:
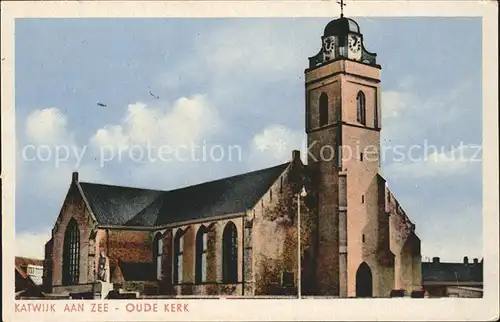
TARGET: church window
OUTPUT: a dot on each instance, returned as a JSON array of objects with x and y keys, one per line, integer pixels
[
  {"x": 230, "y": 254},
  {"x": 363, "y": 237},
  {"x": 201, "y": 255},
  {"x": 323, "y": 109},
  {"x": 158, "y": 254},
  {"x": 178, "y": 256},
  {"x": 71, "y": 254},
  {"x": 362, "y": 198},
  {"x": 361, "y": 108},
  {"x": 361, "y": 156}
]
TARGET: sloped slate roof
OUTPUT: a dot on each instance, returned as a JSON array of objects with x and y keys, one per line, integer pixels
[
  {"x": 115, "y": 205},
  {"x": 450, "y": 272}
]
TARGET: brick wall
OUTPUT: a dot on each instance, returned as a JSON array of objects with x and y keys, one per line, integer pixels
[
  {"x": 48, "y": 267},
  {"x": 405, "y": 245},
  {"x": 129, "y": 246},
  {"x": 323, "y": 146},
  {"x": 73, "y": 207}
]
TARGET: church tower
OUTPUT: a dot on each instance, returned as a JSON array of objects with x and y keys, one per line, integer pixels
[{"x": 343, "y": 130}]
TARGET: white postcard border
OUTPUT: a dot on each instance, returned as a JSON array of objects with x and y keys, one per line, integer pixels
[{"x": 269, "y": 309}]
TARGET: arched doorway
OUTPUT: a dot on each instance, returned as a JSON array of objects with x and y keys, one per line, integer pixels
[{"x": 364, "y": 281}]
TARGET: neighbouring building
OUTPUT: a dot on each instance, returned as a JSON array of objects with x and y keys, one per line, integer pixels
[
  {"x": 238, "y": 235},
  {"x": 444, "y": 279},
  {"x": 28, "y": 277}
]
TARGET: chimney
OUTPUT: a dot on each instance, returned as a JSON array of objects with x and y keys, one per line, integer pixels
[
  {"x": 295, "y": 156},
  {"x": 475, "y": 261},
  {"x": 75, "y": 176},
  {"x": 435, "y": 259},
  {"x": 466, "y": 260}
]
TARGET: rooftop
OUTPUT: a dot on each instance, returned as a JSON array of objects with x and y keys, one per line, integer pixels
[
  {"x": 127, "y": 206},
  {"x": 452, "y": 272}
]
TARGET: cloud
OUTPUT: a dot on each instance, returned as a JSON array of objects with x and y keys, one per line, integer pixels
[
  {"x": 32, "y": 244},
  {"x": 47, "y": 126},
  {"x": 188, "y": 120},
  {"x": 437, "y": 162},
  {"x": 408, "y": 115},
  {"x": 274, "y": 145},
  {"x": 151, "y": 141}
]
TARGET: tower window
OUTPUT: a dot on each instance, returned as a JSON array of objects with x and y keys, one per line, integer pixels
[
  {"x": 363, "y": 238},
  {"x": 361, "y": 156},
  {"x": 323, "y": 109},
  {"x": 362, "y": 198},
  {"x": 361, "y": 108}
]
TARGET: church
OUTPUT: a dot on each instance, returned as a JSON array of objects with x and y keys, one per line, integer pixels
[{"x": 328, "y": 227}]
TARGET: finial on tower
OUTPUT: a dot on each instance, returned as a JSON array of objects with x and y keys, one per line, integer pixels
[{"x": 342, "y": 5}]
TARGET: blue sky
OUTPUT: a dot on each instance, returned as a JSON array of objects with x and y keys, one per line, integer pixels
[{"x": 240, "y": 82}]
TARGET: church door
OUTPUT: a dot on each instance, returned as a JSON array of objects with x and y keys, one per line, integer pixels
[{"x": 364, "y": 282}]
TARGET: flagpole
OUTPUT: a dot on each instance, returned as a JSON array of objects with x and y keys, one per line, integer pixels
[{"x": 301, "y": 193}]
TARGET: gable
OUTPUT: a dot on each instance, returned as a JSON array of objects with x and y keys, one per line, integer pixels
[{"x": 74, "y": 205}]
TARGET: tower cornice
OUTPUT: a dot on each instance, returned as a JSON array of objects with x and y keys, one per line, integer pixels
[
  {"x": 377, "y": 66},
  {"x": 343, "y": 67}
]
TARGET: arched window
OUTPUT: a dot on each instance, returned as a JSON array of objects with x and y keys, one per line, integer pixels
[
  {"x": 230, "y": 254},
  {"x": 158, "y": 254},
  {"x": 178, "y": 256},
  {"x": 71, "y": 254},
  {"x": 323, "y": 109},
  {"x": 361, "y": 108},
  {"x": 201, "y": 255}
]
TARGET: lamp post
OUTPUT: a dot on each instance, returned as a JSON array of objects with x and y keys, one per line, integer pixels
[{"x": 302, "y": 193}]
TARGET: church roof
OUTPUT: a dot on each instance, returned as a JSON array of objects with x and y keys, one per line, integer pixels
[
  {"x": 341, "y": 26},
  {"x": 126, "y": 206}
]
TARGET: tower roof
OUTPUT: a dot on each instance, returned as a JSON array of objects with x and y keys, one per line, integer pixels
[{"x": 341, "y": 26}]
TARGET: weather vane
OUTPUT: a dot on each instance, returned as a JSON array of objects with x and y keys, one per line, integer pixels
[{"x": 342, "y": 5}]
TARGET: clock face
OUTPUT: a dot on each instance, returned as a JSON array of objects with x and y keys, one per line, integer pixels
[
  {"x": 354, "y": 43},
  {"x": 329, "y": 44}
]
